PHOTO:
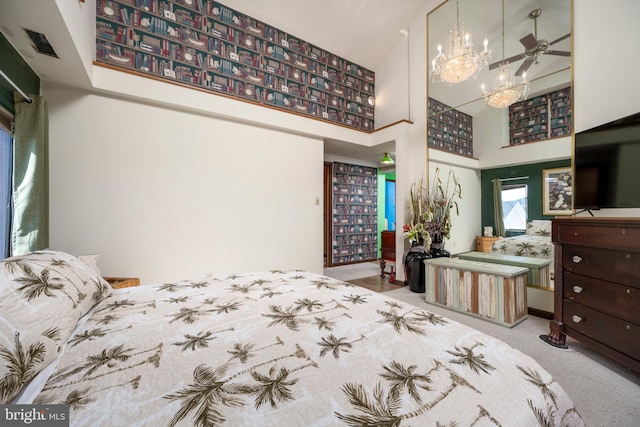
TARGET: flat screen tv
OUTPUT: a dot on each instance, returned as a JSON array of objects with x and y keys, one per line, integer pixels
[{"x": 607, "y": 165}]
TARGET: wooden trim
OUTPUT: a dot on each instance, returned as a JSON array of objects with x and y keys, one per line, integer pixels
[
  {"x": 122, "y": 282},
  {"x": 327, "y": 213},
  {"x": 393, "y": 124}
]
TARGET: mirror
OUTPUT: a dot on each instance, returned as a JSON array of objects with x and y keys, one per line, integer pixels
[{"x": 483, "y": 19}]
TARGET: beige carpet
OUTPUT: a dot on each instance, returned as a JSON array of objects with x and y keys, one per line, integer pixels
[{"x": 605, "y": 393}]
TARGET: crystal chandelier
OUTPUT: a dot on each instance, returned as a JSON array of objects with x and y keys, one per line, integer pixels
[
  {"x": 506, "y": 90},
  {"x": 460, "y": 61}
]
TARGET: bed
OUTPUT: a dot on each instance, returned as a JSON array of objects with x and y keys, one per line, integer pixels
[
  {"x": 268, "y": 348},
  {"x": 535, "y": 243}
]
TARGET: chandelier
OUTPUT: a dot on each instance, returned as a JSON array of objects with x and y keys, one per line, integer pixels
[
  {"x": 460, "y": 61},
  {"x": 506, "y": 90}
]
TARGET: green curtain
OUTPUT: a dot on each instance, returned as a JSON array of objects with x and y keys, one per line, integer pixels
[
  {"x": 497, "y": 207},
  {"x": 30, "y": 229}
]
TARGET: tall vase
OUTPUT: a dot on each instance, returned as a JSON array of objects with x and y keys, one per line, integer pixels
[
  {"x": 413, "y": 261},
  {"x": 437, "y": 248}
]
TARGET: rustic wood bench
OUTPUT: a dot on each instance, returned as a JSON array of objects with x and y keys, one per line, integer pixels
[
  {"x": 489, "y": 291},
  {"x": 538, "y": 277}
]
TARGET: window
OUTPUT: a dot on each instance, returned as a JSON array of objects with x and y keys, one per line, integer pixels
[
  {"x": 6, "y": 145},
  {"x": 514, "y": 207}
]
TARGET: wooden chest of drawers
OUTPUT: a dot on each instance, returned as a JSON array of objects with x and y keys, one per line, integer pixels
[
  {"x": 388, "y": 245},
  {"x": 597, "y": 286}
]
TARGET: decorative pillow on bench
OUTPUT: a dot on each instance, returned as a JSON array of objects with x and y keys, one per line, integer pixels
[{"x": 539, "y": 227}]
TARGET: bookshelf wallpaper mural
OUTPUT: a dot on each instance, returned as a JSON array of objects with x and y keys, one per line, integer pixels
[
  {"x": 355, "y": 213},
  {"x": 204, "y": 44}
]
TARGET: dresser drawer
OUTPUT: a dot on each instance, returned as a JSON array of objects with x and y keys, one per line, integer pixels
[
  {"x": 616, "y": 300},
  {"x": 614, "y": 266},
  {"x": 613, "y": 236},
  {"x": 610, "y": 331}
]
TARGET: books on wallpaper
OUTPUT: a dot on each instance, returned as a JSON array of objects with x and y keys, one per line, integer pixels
[
  {"x": 120, "y": 59},
  {"x": 195, "y": 42},
  {"x": 157, "y": 36},
  {"x": 108, "y": 10}
]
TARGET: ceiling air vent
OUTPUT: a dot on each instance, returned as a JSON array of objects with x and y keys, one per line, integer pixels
[{"x": 41, "y": 44}]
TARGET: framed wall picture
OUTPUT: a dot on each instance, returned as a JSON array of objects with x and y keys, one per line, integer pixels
[{"x": 557, "y": 195}]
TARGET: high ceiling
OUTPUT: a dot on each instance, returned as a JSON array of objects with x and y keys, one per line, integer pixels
[
  {"x": 483, "y": 19},
  {"x": 363, "y": 31}
]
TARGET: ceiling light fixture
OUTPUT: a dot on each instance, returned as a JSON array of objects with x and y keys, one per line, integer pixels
[
  {"x": 386, "y": 159},
  {"x": 506, "y": 90},
  {"x": 461, "y": 61},
  {"x": 371, "y": 100}
]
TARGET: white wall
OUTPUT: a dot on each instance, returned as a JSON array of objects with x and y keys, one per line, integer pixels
[
  {"x": 466, "y": 225},
  {"x": 603, "y": 93},
  {"x": 392, "y": 83},
  {"x": 135, "y": 181},
  {"x": 167, "y": 195}
]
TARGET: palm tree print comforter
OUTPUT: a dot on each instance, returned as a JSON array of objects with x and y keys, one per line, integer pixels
[{"x": 291, "y": 348}]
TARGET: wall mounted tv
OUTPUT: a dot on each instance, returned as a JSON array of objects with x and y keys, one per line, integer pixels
[{"x": 607, "y": 165}]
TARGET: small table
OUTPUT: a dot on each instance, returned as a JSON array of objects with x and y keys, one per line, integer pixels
[{"x": 122, "y": 282}]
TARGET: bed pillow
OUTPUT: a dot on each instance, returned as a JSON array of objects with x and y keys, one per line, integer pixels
[
  {"x": 539, "y": 227},
  {"x": 22, "y": 355},
  {"x": 46, "y": 292}
]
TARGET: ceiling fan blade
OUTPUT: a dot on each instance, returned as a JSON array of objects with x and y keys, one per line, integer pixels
[
  {"x": 529, "y": 41},
  {"x": 560, "y": 39},
  {"x": 557, "y": 52},
  {"x": 506, "y": 61},
  {"x": 524, "y": 67}
]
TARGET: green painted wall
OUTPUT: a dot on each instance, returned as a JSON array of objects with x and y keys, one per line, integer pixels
[
  {"x": 534, "y": 187},
  {"x": 12, "y": 64}
]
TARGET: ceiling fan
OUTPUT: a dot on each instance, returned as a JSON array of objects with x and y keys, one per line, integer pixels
[{"x": 534, "y": 47}]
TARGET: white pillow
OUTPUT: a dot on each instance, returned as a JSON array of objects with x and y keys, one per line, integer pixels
[{"x": 42, "y": 296}]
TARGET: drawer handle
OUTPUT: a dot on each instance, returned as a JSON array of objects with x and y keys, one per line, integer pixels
[
  {"x": 576, "y": 259},
  {"x": 576, "y": 318},
  {"x": 577, "y": 289}
]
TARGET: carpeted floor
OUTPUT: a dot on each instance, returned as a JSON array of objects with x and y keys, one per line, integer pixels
[{"x": 605, "y": 393}]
